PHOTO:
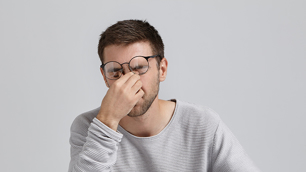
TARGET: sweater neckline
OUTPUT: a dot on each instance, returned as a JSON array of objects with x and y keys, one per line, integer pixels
[{"x": 126, "y": 133}]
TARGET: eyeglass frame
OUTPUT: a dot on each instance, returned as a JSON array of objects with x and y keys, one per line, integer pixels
[{"x": 121, "y": 64}]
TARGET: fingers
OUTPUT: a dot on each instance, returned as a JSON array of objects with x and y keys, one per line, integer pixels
[
  {"x": 132, "y": 80},
  {"x": 139, "y": 94},
  {"x": 136, "y": 87},
  {"x": 124, "y": 92},
  {"x": 124, "y": 78},
  {"x": 128, "y": 83}
]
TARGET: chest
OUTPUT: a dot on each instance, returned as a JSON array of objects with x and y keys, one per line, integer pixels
[{"x": 171, "y": 153}]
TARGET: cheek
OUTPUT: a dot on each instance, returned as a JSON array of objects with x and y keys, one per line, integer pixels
[
  {"x": 148, "y": 82},
  {"x": 110, "y": 82},
  {"x": 144, "y": 83}
]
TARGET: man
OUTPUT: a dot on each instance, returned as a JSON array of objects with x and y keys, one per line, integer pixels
[{"x": 133, "y": 130}]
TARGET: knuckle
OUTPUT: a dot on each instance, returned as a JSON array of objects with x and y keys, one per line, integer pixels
[
  {"x": 130, "y": 74},
  {"x": 116, "y": 84}
]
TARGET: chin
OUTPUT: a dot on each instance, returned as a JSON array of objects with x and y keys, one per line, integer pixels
[
  {"x": 142, "y": 106},
  {"x": 138, "y": 110}
]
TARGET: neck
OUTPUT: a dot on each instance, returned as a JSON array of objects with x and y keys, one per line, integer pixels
[{"x": 152, "y": 122}]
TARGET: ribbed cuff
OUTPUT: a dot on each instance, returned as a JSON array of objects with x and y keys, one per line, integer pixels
[{"x": 108, "y": 131}]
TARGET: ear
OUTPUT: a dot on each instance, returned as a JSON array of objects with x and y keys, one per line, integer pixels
[
  {"x": 105, "y": 80},
  {"x": 163, "y": 66}
]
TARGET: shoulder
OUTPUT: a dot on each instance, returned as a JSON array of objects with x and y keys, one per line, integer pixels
[
  {"x": 81, "y": 122},
  {"x": 194, "y": 111},
  {"x": 196, "y": 115}
]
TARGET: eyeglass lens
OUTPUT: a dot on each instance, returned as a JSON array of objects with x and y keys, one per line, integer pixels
[{"x": 138, "y": 65}]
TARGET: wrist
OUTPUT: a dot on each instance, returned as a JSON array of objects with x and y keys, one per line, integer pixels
[{"x": 108, "y": 121}]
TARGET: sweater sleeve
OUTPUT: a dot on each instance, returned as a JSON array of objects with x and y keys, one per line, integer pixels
[
  {"x": 228, "y": 155},
  {"x": 93, "y": 148}
]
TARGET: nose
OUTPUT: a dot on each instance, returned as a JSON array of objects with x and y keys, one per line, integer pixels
[{"x": 126, "y": 68}]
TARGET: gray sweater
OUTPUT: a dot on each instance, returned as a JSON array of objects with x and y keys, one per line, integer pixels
[{"x": 194, "y": 140}]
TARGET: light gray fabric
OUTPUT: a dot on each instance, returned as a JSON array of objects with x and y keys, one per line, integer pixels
[{"x": 194, "y": 140}]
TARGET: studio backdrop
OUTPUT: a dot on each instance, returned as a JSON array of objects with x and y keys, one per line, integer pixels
[{"x": 244, "y": 59}]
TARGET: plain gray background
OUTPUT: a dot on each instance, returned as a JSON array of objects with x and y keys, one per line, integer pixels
[{"x": 244, "y": 59}]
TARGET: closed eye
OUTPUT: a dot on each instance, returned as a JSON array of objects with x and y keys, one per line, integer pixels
[
  {"x": 139, "y": 67},
  {"x": 114, "y": 70}
]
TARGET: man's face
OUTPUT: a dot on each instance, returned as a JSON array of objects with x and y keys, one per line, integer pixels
[{"x": 150, "y": 80}]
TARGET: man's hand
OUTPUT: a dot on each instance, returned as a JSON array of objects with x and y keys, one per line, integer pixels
[{"x": 120, "y": 99}]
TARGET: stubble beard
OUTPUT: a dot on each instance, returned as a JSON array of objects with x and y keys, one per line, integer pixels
[{"x": 141, "y": 109}]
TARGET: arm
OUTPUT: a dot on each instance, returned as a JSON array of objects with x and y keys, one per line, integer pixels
[
  {"x": 228, "y": 154},
  {"x": 95, "y": 152},
  {"x": 94, "y": 144}
]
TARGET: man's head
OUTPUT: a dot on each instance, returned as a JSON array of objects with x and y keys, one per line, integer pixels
[
  {"x": 130, "y": 31},
  {"x": 127, "y": 39}
]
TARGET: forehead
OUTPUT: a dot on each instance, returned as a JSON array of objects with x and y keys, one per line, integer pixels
[{"x": 124, "y": 53}]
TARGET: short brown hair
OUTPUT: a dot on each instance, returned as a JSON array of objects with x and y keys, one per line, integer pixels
[{"x": 130, "y": 31}]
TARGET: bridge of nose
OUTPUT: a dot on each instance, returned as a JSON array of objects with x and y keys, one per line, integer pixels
[{"x": 125, "y": 67}]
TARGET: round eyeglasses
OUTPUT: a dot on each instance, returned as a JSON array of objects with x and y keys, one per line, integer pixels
[{"x": 138, "y": 65}]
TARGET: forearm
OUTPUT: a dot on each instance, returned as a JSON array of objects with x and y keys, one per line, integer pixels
[{"x": 98, "y": 152}]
